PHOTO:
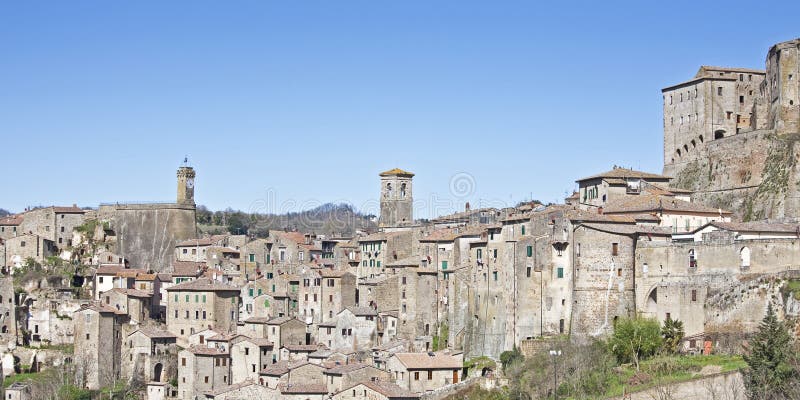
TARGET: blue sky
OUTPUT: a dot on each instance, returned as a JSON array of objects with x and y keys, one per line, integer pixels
[{"x": 285, "y": 105}]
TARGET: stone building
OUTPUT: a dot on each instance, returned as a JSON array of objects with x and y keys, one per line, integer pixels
[
  {"x": 422, "y": 372},
  {"x": 98, "y": 344},
  {"x": 200, "y": 304},
  {"x": 8, "y": 311},
  {"x": 715, "y": 103},
  {"x": 9, "y": 226},
  {"x": 397, "y": 204},
  {"x": 249, "y": 356},
  {"x": 150, "y": 355},
  {"x": 284, "y": 330},
  {"x": 202, "y": 369},
  {"x": 597, "y": 190},
  {"x": 342, "y": 376},
  {"x": 352, "y": 328},
  {"x": 20, "y": 248},
  {"x": 377, "y": 390},
  {"x": 730, "y": 162},
  {"x": 418, "y": 311}
]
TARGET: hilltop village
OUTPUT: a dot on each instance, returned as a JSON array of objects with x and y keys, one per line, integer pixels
[{"x": 400, "y": 313}]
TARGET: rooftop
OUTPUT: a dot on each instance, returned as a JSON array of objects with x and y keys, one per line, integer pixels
[
  {"x": 396, "y": 172},
  {"x": 623, "y": 173}
]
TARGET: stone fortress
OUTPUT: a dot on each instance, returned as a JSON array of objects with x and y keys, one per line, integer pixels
[
  {"x": 146, "y": 233},
  {"x": 730, "y": 135}
]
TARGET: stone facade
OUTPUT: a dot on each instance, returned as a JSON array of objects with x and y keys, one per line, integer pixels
[{"x": 397, "y": 204}]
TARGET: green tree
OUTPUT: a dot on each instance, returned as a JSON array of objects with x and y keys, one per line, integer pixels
[
  {"x": 635, "y": 339},
  {"x": 510, "y": 357},
  {"x": 672, "y": 333},
  {"x": 770, "y": 374}
]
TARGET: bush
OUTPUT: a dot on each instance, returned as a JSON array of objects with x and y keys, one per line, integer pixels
[{"x": 635, "y": 339}]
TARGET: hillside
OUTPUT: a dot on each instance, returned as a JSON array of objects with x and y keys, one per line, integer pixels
[{"x": 329, "y": 219}]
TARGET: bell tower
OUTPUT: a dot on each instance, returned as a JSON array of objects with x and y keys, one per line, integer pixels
[
  {"x": 396, "y": 198},
  {"x": 186, "y": 183}
]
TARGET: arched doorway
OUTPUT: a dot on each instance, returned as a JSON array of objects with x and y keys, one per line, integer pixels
[
  {"x": 652, "y": 302},
  {"x": 744, "y": 255},
  {"x": 157, "y": 372}
]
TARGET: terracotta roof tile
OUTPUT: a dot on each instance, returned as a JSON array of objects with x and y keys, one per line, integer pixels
[
  {"x": 623, "y": 173},
  {"x": 203, "y": 285},
  {"x": 427, "y": 361}
]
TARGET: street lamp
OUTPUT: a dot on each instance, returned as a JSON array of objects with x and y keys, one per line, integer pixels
[{"x": 554, "y": 354}]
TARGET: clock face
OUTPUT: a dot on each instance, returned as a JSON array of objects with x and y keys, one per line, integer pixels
[{"x": 190, "y": 183}]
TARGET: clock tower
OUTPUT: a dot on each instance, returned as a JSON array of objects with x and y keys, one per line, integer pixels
[{"x": 185, "y": 184}]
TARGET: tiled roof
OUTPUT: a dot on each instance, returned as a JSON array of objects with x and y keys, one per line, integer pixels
[
  {"x": 146, "y": 277},
  {"x": 154, "y": 333},
  {"x": 653, "y": 203},
  {"x": 206, "y": 241},
  {"x": 396, "y": 172},
  {"x": 297, "y": 348},
  {"x": 98, "y": 308},
  {"x": 427, "y": 361},
  {"x": 14, "y": 220},
  {"x": 206, "y": 351},
  {"x": 620, "y": 229},
  {"x": 388, "y": 389},
  {"x": 362, "y": 311},
  {"x": 133, "y": 292},
  {"x": 288, "y": 388},
  {"x": 256, "y": 320},
  {"x": 68, "y": 210},
  {"x": 758, "y": 226},
  {"x": 450, "y": 234},
  {"x": 593, "y": 216},
  {"x": 230, "y": 388},
  {"x": 623, "y": 173},
  {"x": 203, "y": 285},
  {"x": 277, "y": 369},
  {"x": 345, "y": 368},
  {"x": 187, "y": 268}
]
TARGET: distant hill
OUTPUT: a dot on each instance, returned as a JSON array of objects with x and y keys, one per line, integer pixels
[
  {"x": 329, "y": 219},
  {"x": 4, "y": 212}
]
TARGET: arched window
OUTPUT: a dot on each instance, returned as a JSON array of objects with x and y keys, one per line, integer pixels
[
  {"x": 403, "y": 190},
  {"x": 744, "y": 255},
  {"x": 388, "y": 190}
]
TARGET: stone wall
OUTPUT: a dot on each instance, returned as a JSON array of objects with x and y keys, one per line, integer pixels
[{"x": 147, "y": 233}]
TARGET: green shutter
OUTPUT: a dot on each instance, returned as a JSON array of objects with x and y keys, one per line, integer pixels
[
  {"x": 250, "y": 292},
  {"x": 378, "y": 264},
  {"x": 444, "y": 265},
  {"x": 530, "y": 251},
  {"x": 523, "y": 229},
  {"x": 176, "y": 298},
  {"x": 252, "y": 257},
  {"x": 204, "y": 298},
  {"x": 560, "y": 272},
  {"x": 197, "y": 298},
  {"x": 259, "y": 292},
  {"x": 187, "y": 298}
]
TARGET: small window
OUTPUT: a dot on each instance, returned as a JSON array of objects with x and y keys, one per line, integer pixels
[
  {"x": 719, "y": 91},
  {"x": 614, "y": 249},
  {"x": 560, "y": 272},
  {"x": 530, "y": 251},
  {"x": 416, "y": 376},
  {"x": 694, "y": 295}
]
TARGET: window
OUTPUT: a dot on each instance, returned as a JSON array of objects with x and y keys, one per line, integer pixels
[
  {"x": 403, "y": 280},
  {"x": 416, "y": 376},
  {"x": 528, "y": 272},
  {"x": 252, "y": 257},
  {"x": 530, "y": 251},
  {"x": 719, "y": 91},
  {"x": 430, "y": 375},
  {"x": 183, "y": 362},
  {"x": 692, "y": 259},
  {"x": 479, "y": 254},
  {"x": 619, "y": 271},
  {"x": 578, "y": 250},
  {"x": 522, "y": 230},
  {"x": 614, "y": 249},
  {"x": 560, "y": 272},
  {"x": 744, "y": 255},
  {"x": 494, "y": 276},
  {"x": 185, "y": 251},
  {"x": 694, "y": 295},
  {"x": 444, "y": 265},
  {"x": 669, "y": 316}
]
